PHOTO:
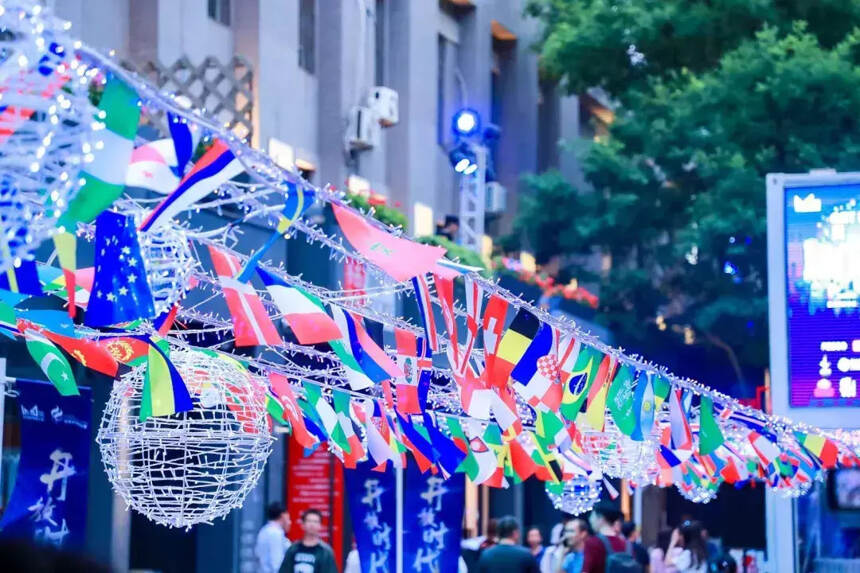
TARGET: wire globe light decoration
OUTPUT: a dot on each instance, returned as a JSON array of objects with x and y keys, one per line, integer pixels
[
  {"x": 169, "y": 265},
  {"x": 47, "y": 126},
  {"x": 189, "y": 467},
  {"x": 577, "y": 495},
  {"x": 617, "y": 455},
  {"x": 700, "y": 493}
]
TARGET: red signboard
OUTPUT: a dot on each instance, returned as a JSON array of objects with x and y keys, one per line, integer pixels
[{"x": 316, "y": 482}]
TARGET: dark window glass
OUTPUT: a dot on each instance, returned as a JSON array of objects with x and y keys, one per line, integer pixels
[
  {"x": 381, "y": 41},
  {"x": 219, "y": 10},
  {"x": 441, "y": 123},
  {"x": 307, "y": 35}
]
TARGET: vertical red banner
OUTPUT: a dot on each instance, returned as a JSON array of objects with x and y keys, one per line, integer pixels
[{"x": 316, "y": 482}]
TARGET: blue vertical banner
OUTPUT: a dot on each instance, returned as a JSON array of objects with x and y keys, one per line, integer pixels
[
  {"x": 373, "y": 508},
  {"x": 432, "y": 521},
  {"x": 49, "y": 502}
]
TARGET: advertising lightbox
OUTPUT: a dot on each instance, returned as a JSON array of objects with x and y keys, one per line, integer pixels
[{"x": 814, "y": 290}]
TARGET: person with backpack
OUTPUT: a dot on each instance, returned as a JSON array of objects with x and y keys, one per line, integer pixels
[{"x": 606, "y": 551}]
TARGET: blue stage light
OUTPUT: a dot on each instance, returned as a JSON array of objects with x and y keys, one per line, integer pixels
[{"x": 466, "y": 122}]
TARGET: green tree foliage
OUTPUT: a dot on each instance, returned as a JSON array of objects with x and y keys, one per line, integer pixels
[{"x": 710, "y": 97}]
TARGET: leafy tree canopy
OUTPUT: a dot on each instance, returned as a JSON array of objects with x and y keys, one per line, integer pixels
[{"x": 710, "y": 96}]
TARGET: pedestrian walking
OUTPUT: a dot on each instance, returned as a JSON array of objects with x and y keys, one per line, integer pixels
[
  {"x": 606, "y": 551},
  {"x": 272, "y": 542},
  {"x": 534, "y": 541},
  {"x": 575, "y": 534},
  {"x": 693, "y": 557},
  {"x": 310, "y": 554},
  {"x": 631, "y": 533},
  {"x": 507, "y": 556}
]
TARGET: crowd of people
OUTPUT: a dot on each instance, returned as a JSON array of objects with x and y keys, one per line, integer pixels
[{"x": 603, "y": 543}]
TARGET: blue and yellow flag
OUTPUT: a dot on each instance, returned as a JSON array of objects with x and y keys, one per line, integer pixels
[{"x": 298, "y": 199}]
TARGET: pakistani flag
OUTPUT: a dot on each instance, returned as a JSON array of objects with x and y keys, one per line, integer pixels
[
  {"x": 52, "y": 362},
  {"x": 104, "y": 176},
  {"x": 620, "y": 399},
  {"x": 710, "y": 435}
]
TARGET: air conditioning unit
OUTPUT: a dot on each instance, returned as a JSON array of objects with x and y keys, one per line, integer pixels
[
  {"x": 362, "y": 130},
  {"x": 383, "y": 101},
  {"x": 496, "y": 193}
]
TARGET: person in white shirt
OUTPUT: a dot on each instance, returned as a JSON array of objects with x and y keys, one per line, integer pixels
[{"x": 272, "y": 542}]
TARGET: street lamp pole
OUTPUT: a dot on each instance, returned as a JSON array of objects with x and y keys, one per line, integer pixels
[{"x": 473, "y": 201}]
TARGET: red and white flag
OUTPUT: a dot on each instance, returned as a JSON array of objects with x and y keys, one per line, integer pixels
[
  {"x": 412, "y": 358},
  {"x": 251, "y": 324},
  {"x": 493, "y": 326},
  {"x": 425, "y": 309},
  {"x": 445, "y": 292},
  {"x": 474, "y": 302}
]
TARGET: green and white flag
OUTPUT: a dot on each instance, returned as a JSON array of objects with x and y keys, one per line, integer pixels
[
  {"x": 104, "y": 176},
  {"x": 327, "y": 416},
  {"x": 710, "y": 435},
  {"x": 620, "y": 400},
  {"x": 52, "y": 362}
]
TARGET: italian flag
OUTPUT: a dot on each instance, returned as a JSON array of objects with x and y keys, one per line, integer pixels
[{"x": 52, "y": 362}]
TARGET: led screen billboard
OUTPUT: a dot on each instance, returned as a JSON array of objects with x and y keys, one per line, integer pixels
[{"x": 822, "y": 273}]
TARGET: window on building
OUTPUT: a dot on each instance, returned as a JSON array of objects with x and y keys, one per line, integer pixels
[
  {"x": 307, "y": 35},
  {"x": 441, "y": 120},
  {"x": 219, "y": 10},
  {"x": 381, "y": 29}
]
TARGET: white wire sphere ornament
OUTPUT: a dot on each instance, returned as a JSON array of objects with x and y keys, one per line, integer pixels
[
  {"x": 190, "y": 467},
  {"x": 169, "y": 265},
  {"x": 702, "y": 493},
  {"x": 617, "y": 455},
  {"x": 47, "y": 126},
  {"x": 578, "y": 495}
]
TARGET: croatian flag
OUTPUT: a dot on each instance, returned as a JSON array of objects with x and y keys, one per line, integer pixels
[
  {"x": 217, "y": 166},
  {"x": 251, "y": 324}
]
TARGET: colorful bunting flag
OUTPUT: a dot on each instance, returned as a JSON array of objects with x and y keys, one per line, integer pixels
[
  {"x": 104, "y": 176},
  {"x": 710, "y": 435},
  {"x": 291, "y": 411},
  {"x": 413, "y": 359},
  {"x": 52, "y": 362},
  {"x": 595, "y": 411},
  {"x": 164, "y": 391},
  {"x": 299, "y": 198},
  {"x": 579, "y": 370},
  {"x": 303, "y": 311},
  {"x": 425, "y": 310},
  {"x": 620, "y": 399},
  {"x": 822, "y": 448},
  {"x": 23, "y": 279},
  {"x": 536, "y": 376},
  {"x": 513, "y": 346},
  {"x": 474, "y": 302},
  {"x": 342, "y": 406},
  {"x": 445, "y": 292},
  {"x": 369, "y": 364},
  {"x": 644, "y": 407},
  {"x": 66, "y": 245},
  {"x": 681, "y": 434},
  {"x": 401, "y": 258},
  {"x": 493, "y": 326},
  {"x": 251, "y": 323},
  {"x": 217, "y": 166},
  {"x": 121, "y": 292}
]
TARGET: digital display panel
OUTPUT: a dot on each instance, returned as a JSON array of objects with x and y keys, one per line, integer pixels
[{"x": 822, "y": 228}]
